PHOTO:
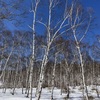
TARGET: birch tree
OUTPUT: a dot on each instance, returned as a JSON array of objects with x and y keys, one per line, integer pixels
[
  {"x": 34, "y": 11},
  {"x": 84, "y": 21},
  {"x": 60, "y": 25}
]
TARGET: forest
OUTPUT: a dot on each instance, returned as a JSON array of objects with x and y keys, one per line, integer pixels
[{"x": 46, "y": 54}]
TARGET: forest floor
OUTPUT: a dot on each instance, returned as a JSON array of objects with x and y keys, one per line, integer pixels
[{"x": 75, "y": 94}]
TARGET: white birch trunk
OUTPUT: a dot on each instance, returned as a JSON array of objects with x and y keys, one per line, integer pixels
[
  {"x": 78, "y": 45},
  {"x": 6, "y": 63},
  {"x": 41, "y": 77},
  {"x": 34, "y": 10},
  {"x": 60, "y": 79},
  {"x": 53, "y": 78},
  {"x": 82, "y": 66}
]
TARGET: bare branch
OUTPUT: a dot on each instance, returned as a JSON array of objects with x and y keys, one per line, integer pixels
[
  {"x": 86, "y": 30},
  {"x": 42, "y": 23}
]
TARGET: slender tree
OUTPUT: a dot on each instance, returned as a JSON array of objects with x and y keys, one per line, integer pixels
[{"x": 74, "y": 21}]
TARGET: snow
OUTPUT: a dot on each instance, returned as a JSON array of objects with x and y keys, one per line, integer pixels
[{"x": 75, "y": 94}]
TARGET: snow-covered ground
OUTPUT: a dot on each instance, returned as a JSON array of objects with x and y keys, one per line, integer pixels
[{"x": 75, "y": 94}]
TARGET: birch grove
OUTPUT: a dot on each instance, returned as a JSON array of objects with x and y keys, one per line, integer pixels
[{"x": 52, "y": 53}]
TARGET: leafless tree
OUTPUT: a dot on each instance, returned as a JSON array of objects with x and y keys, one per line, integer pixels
[{"x": 77, "y": 20}]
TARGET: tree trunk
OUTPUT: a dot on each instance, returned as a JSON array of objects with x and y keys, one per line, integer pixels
[
  {"x": 53, "y": 78},
  {"x": 41, "y": 77},
  {"x": 60, "y": 78},
  {"x": 83, "y": 76}
]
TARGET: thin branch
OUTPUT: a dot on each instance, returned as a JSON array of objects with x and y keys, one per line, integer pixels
[
  {"x": 42, "y": 23},
  {"x": 86, "y": 30}
]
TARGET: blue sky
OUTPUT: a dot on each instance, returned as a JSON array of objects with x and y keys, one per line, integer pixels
[{"x": 95, "y": 4}]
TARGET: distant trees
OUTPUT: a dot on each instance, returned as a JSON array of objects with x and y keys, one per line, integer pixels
[
  {"x": 63, "y": 71},
  {"x": 95, "y": 49}
]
